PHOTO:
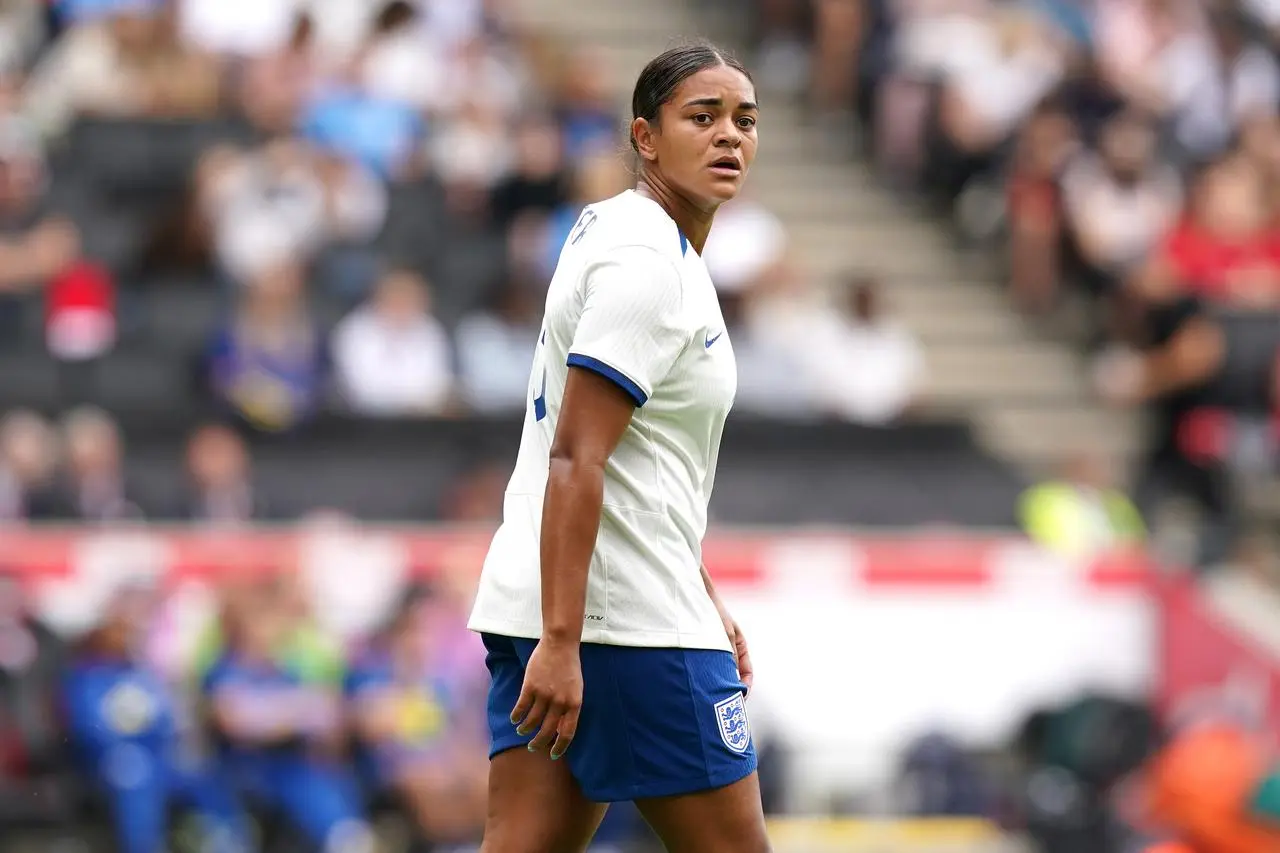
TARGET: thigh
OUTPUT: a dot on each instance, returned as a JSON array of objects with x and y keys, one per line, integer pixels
[
  {"x": 723, "y": 820},
  {"x": 536, "y": 806}
]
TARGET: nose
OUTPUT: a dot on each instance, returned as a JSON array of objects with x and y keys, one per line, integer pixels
[{"x": 729, "y": 135}]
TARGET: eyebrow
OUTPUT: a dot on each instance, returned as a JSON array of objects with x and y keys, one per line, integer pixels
[{"x": 717, "y": 102}]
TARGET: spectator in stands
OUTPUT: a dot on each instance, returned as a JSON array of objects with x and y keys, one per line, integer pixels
[
  {"x": 1081, "y": 514},
  {"x": 416, "y": 726},
  {"x": 381, "y": 134},
  {"x": 236, "y": 30},
  {"x": 746, "y": 248},
  {"x": 392, "y": 356},
  {"x": 1119, "y": 203},
  {"x": 36, "y": 243},
  {"x": 276, "y": 83},
  {"x": 220, "y": 488},
  {"x": 471, "y": 153},
  {"x": 399, "y": 62},
  {"x": 479, "y": 69},
  {"x": 285, "y": 202},
  {"x": 783, "y": 35},
  {"x": 125, "y": 736},
  {"x": 1224, "y": 250},
  {"x": 864, "y": 366},
  {"x": 269, "y": 365},
  {"x": 494, "y": 347},
  {"x": 538, "y": 182},
  {"x": 28, "y": 459},
  {"x": 278, "y": 736},
  {"x": 1034, "y": 209},
  {"x": 122, "y": 59},
  {"x": 32, "y": 661},
  {"x": 95, "y": 489},
  {"x": 767, "y": 367},
  {"x": 584, "y": 105}
]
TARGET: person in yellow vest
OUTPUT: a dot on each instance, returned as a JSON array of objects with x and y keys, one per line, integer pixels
[{"x": 1080, "y": 514}]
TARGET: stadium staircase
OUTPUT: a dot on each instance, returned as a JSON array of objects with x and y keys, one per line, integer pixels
[{"x": 1026, "y": 394}]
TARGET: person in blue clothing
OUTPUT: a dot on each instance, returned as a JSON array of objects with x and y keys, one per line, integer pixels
[
  {"x": 415, "y": 721},
  {"x": 124, "y": 737},
  {"x": 279, "y": 737}
]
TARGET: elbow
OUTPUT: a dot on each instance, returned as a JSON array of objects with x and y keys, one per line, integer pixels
[{"x": 573, "y": 466}]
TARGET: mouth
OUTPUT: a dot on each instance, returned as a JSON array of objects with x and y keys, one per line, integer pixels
[{"x": 726, "y": 166}]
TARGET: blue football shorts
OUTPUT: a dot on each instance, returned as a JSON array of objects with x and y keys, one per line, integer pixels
[{"x": 654, "y": 722}]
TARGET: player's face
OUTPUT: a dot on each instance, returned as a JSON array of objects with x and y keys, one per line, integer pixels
[{"x": 707, "y": 137}]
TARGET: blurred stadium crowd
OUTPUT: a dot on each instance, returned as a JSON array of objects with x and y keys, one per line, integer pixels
[
  {"x": 237, "y": 238},
  {"x": 1123, "y": 153}
]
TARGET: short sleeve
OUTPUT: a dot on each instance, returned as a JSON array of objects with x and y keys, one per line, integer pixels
[{"x": 631, "y": 330}]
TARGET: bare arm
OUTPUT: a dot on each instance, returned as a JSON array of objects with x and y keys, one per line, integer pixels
[{"x": 593, "y": 417}]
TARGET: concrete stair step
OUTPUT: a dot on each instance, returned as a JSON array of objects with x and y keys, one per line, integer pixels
[
  {"x": 1044, "y": 436},
  {"x": 965, "y": 325},
  {"x": 1025, "y": 372}
]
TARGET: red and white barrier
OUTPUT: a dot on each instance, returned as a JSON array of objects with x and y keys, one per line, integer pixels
[{"x": 860, "y": 643}]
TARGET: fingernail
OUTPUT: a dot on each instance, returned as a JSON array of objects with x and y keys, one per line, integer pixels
[
  {"x": 555, "y": 758},
  {"x": 531, "y": 749}
]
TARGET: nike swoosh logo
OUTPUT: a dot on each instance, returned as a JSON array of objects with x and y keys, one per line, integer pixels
[{"x": 709, "y": 341}]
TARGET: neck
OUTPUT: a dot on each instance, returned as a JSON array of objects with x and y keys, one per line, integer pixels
[{"x": 693, "y": 221}]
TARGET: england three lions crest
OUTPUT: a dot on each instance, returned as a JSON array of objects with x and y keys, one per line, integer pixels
[{"x": 731, "y": 718}]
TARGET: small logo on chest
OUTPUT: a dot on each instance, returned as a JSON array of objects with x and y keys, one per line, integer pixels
[{"x": 708, "y": 341}]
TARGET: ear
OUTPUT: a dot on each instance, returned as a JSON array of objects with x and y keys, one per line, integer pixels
[{"x": 643, "y": 132}]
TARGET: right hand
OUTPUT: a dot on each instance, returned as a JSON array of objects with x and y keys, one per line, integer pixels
[{"x": 551, "y": 697}]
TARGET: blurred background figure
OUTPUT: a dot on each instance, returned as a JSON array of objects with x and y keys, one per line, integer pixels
[
  {"x": 1081, "y": 514},
  {"x": 391, "y": 356},
  {"x": 127, "y": 738},
  {"x": 278, "y": 734},
  {"x": 417, "y": 725},
  {"x": 220, "y": 487},
  {"x": 95, "y": 489},
  {"x": 28, "y": 459}
]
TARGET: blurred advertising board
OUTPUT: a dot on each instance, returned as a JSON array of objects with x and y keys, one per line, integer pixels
[{"x": 860, "y": 643}]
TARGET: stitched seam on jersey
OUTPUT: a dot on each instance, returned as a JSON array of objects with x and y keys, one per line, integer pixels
[{"x": 645, "y": 512}]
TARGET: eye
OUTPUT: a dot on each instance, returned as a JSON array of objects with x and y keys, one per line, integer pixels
[
  {"x": 703, "y": 119},
  {"x": 746, "y": 122}
]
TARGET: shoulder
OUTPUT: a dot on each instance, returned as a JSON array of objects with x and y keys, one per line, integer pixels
[{"x": 630, "y": 226}]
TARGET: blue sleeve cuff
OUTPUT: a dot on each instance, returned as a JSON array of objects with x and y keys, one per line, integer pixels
[{"x": 615, "y": 376}]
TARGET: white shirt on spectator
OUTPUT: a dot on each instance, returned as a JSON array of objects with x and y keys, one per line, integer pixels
[
  {"x": 747, "y": 241},
  {"x": 406, "y": 67},
  {"x": 1003, "y": 89},
  {"x": 237, "y": 27},
  {"x": 1130, "y": 219},
  {"x": 385, "y": 370},
  {"x": 864, "y": 372}
]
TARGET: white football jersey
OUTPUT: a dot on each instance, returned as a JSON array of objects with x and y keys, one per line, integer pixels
[{"x": 631, "y": 300}]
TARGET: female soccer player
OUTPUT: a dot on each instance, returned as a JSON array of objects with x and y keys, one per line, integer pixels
[{"x": 607, "y": 645}]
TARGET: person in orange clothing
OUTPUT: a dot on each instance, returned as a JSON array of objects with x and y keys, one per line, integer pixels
[{"x": 1199, "y": 787}]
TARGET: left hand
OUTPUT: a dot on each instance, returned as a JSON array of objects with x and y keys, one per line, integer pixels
[{"x": 739, "y": 642}]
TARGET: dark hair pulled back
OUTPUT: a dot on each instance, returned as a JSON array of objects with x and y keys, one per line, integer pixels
[{"x": 665, "y": 72}]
